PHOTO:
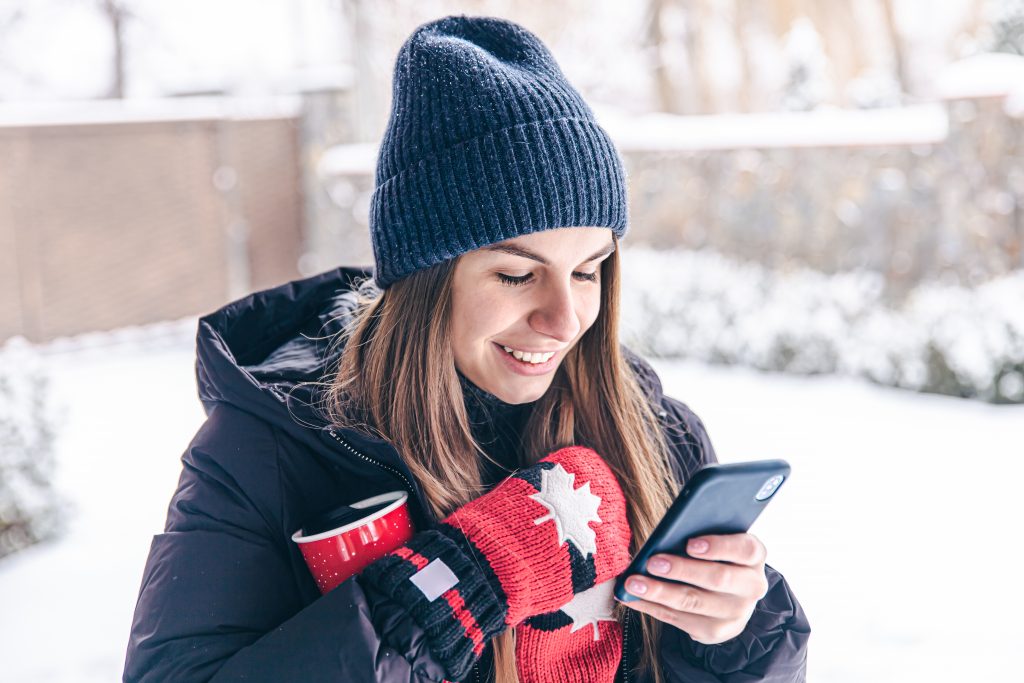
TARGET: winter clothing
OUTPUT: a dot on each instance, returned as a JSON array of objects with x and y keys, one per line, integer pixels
[
  {"x": 551, "y": 647},
  {"x": 497, "y": 426},
  {"x": 555, "y": 648},
  {"x": 487, "y": 140},
  {"x": 226, "y": 594},
  {"x": 526, "y": 548}
]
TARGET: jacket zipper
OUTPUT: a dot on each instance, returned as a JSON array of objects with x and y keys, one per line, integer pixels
[
  {"x": 408, "y": 484},
  {"x": 625, "y": 648},
  {"x": 662, "y": 414}
]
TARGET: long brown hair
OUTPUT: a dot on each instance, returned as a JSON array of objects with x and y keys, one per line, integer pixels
[{"x": 396, "y": 380}]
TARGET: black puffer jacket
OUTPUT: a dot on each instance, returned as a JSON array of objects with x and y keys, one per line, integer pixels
[{"x": 226, "y": 596}]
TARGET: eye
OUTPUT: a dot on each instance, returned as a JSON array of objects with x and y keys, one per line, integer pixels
[
  {"x": 516, "y": 281},
  {"x": 513, "y": 280}
]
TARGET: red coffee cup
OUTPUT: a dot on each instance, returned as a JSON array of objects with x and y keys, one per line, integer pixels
[{"x": 357, "y": 534}]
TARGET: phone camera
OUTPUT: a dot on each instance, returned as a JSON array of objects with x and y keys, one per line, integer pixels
[{"x": 769, "y": 487}]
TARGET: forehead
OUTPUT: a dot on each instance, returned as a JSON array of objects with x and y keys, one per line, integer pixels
[{"x": 582, "y": 244}]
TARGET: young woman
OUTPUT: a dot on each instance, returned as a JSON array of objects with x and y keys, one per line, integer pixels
[{"x": 479, "y": 370}]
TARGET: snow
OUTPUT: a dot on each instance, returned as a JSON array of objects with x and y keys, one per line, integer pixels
[
  {"x": 142, "y": 110},
  {"x": 659, "y": 132},
  {"x": 349, "y": 159},
  {"x": 893, "y": 530},
  {"x": 993, "y": 74},
  {"x": 894, "y": 525},
  {"x": 117, "y": 456},
  {"x": 56, "y": 49},
  {"x": 315, "y": 78},
  {"x": 703, "y": 305},
  {"x": 823, "y": 127},
  {"x": 808, "y": 84},
  {"x": 943, "y": 19},
  {"x": 26, "y": 462}
]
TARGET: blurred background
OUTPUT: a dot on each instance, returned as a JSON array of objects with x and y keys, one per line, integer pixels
[{"x": 825, "y": 260}]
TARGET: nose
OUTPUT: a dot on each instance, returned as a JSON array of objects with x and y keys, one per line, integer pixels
[{"x": 555, "y": 315}]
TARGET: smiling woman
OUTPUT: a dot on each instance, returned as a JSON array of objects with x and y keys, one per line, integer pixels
[
  {"x": 477, "y": 375},
  {"x": 518, "y": 306}
]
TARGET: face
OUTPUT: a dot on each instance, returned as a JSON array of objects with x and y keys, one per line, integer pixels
[{"x": 534, "y": 294}]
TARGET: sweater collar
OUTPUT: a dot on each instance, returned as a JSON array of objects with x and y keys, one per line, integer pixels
[{"x": 486, "y": 410}]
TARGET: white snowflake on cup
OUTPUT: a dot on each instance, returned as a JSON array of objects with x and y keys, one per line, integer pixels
[{"x": 571, "y": 509}]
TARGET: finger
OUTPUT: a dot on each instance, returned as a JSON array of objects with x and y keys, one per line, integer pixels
[
  {"x": 703, "y": 629},
  {"x": 744, "y": 549},
  {"x": 720, "y": 577},
  {"x": 688, "y": 598}
]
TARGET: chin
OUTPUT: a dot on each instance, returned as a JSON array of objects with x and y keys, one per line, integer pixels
[{"x": 523, "y": 394}]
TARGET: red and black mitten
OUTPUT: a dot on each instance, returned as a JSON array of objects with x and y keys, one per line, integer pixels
[
  {"x": 527, "y": 547},
  {"x": 579, "y": 643}
]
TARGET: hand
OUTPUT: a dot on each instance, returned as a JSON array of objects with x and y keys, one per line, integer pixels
[
  {"x": 726, "y": 583},
  {"x": 523, "y": 549}
]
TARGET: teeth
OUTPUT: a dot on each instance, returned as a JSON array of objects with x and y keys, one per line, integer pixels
[{"x": 533, "y": 358}]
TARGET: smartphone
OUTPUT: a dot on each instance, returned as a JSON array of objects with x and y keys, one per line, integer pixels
[{"x": 718, "y": 499}]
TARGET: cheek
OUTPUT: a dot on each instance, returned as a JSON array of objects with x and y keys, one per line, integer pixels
[
  {"x": 478, "y": 316},
  {"x": 589, "y": 310}
]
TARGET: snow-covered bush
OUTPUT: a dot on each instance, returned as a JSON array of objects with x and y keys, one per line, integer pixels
[
  {"x": 1008, "y": 26},
  {"x": 30, "y": 510},
  {"x": 807, "y": 82},
  {"x": 942, "y": 338}
]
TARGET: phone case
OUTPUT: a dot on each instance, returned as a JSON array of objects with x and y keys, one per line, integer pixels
[{"x": 718, "y": 499}]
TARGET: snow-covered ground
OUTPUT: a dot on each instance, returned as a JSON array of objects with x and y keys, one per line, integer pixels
[{"x": 895, "y": 531}]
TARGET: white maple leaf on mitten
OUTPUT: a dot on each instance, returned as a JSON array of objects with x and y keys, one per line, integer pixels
[
  {"x": 591, "y": 606},
  {"x": 570, "y": 508}
]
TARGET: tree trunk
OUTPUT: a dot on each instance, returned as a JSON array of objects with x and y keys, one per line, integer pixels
[
  {"x": 746, "y": 94},
  {"x": 898, "y": 56},
  {"x": 698, "y": 15},
  {"x": 116, "y": 15},
  {"x": 664, "y": 87}
]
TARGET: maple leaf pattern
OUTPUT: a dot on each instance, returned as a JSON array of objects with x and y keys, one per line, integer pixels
[
  {"x": 571, "y": 509},
  {"x": 591, "y": 606}
]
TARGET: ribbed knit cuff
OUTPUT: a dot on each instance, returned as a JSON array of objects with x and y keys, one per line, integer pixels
[
  {"x": 551, "y": 648},
  {"x": 524, "y": 178},
  {"x": 447, "y": 595}
]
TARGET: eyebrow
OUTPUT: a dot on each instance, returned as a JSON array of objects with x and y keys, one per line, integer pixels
[{"x": 526, "y": 253}]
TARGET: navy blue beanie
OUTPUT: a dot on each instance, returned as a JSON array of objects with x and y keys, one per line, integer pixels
[{"x": 486, "y": 141}]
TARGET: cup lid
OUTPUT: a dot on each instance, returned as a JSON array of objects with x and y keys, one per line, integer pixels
[
  {"x": 344, "y": 518},
  {"x": 338, "y": 517}
]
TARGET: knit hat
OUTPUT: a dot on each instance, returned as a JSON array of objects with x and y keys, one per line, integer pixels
[{"x": 486, "y": 141}]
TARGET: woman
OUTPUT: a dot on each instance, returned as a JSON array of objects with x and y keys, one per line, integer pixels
[{"x": 478, "y": 370}]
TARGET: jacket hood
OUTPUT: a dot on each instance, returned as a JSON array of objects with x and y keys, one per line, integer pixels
[{"x": 260, "y": 353}]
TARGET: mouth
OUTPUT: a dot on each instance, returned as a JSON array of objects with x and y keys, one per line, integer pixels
[{"x": 522, "y": 366}]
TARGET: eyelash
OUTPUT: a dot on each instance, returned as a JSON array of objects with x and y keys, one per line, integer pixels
[{"x": 518, "y": 281}]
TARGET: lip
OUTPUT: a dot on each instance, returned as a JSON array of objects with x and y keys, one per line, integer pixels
[{"x": 521, "y": 368}]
